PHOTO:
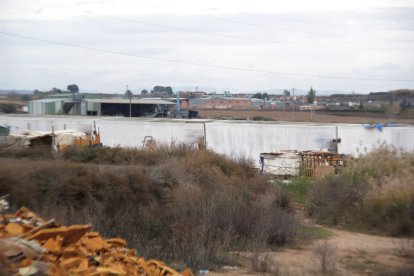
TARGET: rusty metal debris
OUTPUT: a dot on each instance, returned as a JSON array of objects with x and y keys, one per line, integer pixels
[
  {"x": 29, "y": 245},
  {"x": 316, "y": 164}
]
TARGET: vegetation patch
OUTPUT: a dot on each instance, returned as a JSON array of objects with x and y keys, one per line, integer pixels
[
  {"x": 365, "y": 264},
  {"x": 374, "y": 193},
  {"x": 314, "y": 232},
  {"x": 172, "y": 203},
  {"x": 299, "y": 189}
]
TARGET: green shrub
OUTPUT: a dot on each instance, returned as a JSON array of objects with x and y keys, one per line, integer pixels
[{"x": 299, "y": 188}]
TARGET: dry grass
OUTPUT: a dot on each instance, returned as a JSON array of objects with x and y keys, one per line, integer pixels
[
  {"x": 325, "y": 258},
  {"x": 263, "y": 263},
  {"x": 176, "y": 204},
  {"x": 404, "y": 248},
  {"x": 374, "y": 192},
  {"x": 302, "y": 116}
]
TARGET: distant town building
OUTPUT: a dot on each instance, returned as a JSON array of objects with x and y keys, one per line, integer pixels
[
  {"x": 184, "y": 102},
  {"x": 221, "y": 103}
]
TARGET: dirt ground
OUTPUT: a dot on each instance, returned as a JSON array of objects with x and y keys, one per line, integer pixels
[
  {"x": 344, "y": 253},
  {"x": 302, "y": 116}
]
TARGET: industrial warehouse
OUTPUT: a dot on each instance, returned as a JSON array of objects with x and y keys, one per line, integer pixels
[{"x": 145, "y": 107}]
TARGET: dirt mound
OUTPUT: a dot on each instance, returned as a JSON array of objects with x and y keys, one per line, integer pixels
[{"x": 29, "y": 245}]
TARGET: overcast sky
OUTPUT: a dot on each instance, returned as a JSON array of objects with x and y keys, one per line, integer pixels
[{"x": 327, "y": 44}]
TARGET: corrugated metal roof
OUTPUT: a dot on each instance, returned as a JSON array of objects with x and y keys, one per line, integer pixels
[
  {"x": 47, "y": 100},
  {"x": 126, "y": 101}
]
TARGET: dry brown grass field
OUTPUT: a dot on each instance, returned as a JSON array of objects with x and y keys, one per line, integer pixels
[
  {"x": 12, "y": 101},
  {"x": 304, "y": 116}
]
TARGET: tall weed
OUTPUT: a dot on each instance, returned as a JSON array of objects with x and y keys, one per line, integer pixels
[{"x": 374, "y": 192}]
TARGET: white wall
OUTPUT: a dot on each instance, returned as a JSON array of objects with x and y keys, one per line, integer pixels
[{"x": 358, "y": 140}]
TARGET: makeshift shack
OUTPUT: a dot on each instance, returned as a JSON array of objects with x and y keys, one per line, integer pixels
[
  {"x": 281, "y": 163},
  {"x": 57, "y": 140},
  {"x": 288, "y": 163}
]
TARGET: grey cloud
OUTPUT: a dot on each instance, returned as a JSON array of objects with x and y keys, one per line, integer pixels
[
  {"x": 32, "y": 61},
  {"x": 387, "y": 67},
  {"x": 38, "y": 10}
]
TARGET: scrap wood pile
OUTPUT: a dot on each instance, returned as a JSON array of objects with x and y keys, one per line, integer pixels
[{"x": 30, "y": 245}]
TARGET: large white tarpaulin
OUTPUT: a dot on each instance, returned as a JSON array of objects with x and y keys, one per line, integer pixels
[
  {"x": 250, "y": 139},
  {"x": 232, "y": 138},
  {"x": 131, "y": 133}
]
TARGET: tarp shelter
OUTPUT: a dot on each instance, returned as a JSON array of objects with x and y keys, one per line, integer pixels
[{"x": 60, "y": 139}]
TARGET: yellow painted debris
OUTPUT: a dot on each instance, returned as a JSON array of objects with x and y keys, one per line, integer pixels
[{"x": 14, "y": 229}]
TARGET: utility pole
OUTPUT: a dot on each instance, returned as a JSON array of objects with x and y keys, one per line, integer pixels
[
  {"x": 294, "y": 103},
  {"x": 178, "y": 106},
  {"x": 392, "y": 105},
  {"x": 130, "y": 101}
]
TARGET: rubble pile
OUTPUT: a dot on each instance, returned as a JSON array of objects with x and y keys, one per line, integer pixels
[{"x": 29, "y": 245}]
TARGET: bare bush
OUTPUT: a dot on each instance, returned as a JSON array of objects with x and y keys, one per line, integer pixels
[
  {"x": 374, "y": 192},
  {"x": 336, "y": 198},
  {"x": 263, "y": 263},
  {"x": 174, "y": 204},
  {"x": 404, "y": 248},
  {"x": 325, "y": 257}
]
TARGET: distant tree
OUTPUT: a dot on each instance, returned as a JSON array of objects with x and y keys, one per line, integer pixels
[
  {"x": 162, "y": 89},
  {"x": 36, "y": 92},
  {"x": 73, "y": 88},
  {"x": 169, "y": 90},
  {"x": 56, "y": 90},
  {"x": 144, "y": 92},
  {"x": 257, "y": 96},
  {"x": 311, "y": 96},
  {"x": 261, "y": 96},
  {"x": 158, "y": 89},
  {"x": 25, "y": 97},
  {"x": 361, "y": 106},
  {"x": 128, "y": 94},
  {"x": 286, "y": 92}
]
